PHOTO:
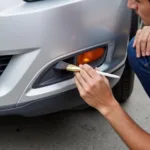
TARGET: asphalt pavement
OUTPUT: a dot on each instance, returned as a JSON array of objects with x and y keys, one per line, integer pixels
[{"x": 72, "y": 130}]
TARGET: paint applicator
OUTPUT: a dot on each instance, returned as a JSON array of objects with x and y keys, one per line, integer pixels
[
  {"x": 65, "y": 66},
  {"x": 73, "y": 68}
]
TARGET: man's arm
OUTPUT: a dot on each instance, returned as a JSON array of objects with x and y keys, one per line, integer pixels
[
  {"x": 96, "y": 91},
  {"x": 134, "y": 137}
]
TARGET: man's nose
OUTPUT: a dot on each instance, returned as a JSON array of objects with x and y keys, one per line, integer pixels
[{"x": 132, "y": 4}]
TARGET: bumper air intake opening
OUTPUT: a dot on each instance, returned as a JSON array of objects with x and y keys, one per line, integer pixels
[
  {"x": 4, "y": 60},
  {"x": 53, "y": 76}
]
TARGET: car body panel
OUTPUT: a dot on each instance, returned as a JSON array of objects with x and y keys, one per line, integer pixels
[{"x": 40, "y": 33}]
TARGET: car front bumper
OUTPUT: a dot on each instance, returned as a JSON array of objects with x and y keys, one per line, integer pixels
[{"x": 55, "y": 103}]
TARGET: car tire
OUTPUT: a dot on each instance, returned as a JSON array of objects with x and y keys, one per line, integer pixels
[{"x": 123, "y": 89}]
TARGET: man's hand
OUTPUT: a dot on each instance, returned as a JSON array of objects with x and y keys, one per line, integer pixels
[
  {"x": 95, "y": 89},
  {"x": 142, "y": 42}
]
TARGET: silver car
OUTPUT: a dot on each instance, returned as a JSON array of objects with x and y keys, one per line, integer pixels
[{"x": 35, "y": 35}]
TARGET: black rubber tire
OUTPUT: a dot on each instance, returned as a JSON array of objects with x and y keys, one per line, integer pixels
[{"x": 123, "y": 89}]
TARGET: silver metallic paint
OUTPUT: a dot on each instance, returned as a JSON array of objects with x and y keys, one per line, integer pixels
[{"x": 37, "y": 34}]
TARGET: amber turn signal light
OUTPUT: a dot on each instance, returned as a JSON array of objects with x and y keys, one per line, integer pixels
[{"x": 90, "y": 56}]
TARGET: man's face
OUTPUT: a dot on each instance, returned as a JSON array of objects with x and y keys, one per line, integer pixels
[{"x": 142, "y": 8}]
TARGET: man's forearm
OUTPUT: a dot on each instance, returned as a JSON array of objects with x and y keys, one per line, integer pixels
[{"x": 134, "y": 137}]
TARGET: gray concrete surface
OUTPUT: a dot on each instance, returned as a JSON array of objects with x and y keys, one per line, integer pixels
[{"x": 71, "y": 130}]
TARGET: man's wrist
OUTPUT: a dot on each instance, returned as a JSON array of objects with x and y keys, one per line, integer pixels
[{"x": 106, "y": 110}]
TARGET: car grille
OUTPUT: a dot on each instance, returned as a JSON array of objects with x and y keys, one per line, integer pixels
[{"x": 4, "y": 60}]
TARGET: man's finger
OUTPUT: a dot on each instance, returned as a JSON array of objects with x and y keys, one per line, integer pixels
[
  {"x": 148, "y": 45},
  {"x": 138, "y": 46},
  {"x": 85, "y": 75},
  {"x": 92, "y": 73},
  {"x": 137, "y": 34},
  {"x": 144, "y": 40},
  {"x": 79, "y": 87},
  {"x": 134, "y": 43},
  {"x": 81, "y": 80}
]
